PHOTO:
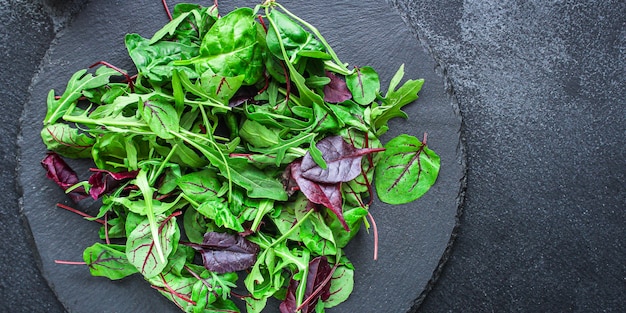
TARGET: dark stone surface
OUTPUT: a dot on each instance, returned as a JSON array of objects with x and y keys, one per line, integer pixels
[{"x": 540, "y": 87}]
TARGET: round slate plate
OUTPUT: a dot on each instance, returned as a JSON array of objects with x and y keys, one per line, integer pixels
[{"x": 413, "y": 237}]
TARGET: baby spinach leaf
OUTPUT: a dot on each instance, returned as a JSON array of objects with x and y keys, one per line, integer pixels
[
  {"x": 141, "y": 251},
  {"x": 156, "y": 61},
  {"x": 293, "y": 37},
  {"x": 109, "y": 261},
  {"x": 364, "y": 84},
  {"x": 230, "y": 48},
  {"x": 67, "y": 141},
  {"x": 407, "y": 169}
]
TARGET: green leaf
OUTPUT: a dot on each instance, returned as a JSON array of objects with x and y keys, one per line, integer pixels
[
  {"x": 296, "y": 40},
  {"x": 169, "y": 28},
  {"x": 364, "y": 84},
  {"x": 395, "y": 99},
  {"x": 407, "y": 169},
  {"x": 161, "y": 117},
  {"x": 67, "y": 141},
  {"x": 141, "y": 249},
  {"x": 230, "y": 48},
  {"x": 219, "y": 212},
  {"x": 258, "y": 135},
  {"x": 341, "y": 285},
  {"x": 156, "y": 61},
  {"x": 201, "y": 186},
  {"x": 256, "y": 182},
  {"x": 108, "y": 260},
  {"x": 78, "y": 83}
]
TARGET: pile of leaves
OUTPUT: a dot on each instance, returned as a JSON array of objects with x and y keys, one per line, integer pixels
[{"x": 249, "y": 129}]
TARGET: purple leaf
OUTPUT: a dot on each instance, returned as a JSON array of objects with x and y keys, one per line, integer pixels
[
  {"x": 343, "y": 161},
  {"x": 328, "y": 195},
  {"x": 317, "y": 287},
  {"x": 336, "y": 91},
  {"x": 63, "y": 175},
  {"x": 223, "y": 252},
  {"x": 104, "y": 182}
]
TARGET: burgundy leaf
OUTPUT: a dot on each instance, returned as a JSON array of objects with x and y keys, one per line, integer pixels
[
  {"x": 223, "y": 252},
  {"x": 343, "y": 161},
  {"x": 336, "y": 91},
  {"x": 63, "y": 175},
  {"x": 328, "y": 195},
  {"x": 242, "y": 95},
  {"x": 317, "y": 287},
  {"x": 104, "y": 182}
]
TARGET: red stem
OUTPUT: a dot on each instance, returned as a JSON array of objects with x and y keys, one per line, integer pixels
[
  {"x": 167, "y": 10},
  {"x": 129, "y": 80},
  {"x": 70, "y": 262},
  {"x": 106, "y": 229},
  {"x": 375, "y": 234},
  {"x": 83, "y": 214}
]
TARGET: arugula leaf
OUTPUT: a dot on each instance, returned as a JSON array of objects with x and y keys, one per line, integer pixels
[{"x": 78, "y": 83}]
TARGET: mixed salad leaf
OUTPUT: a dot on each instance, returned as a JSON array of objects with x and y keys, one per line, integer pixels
[{"x": 242, "y": 146}]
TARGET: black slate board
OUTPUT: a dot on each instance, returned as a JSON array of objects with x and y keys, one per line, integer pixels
[{"x": 413, "y": 237}]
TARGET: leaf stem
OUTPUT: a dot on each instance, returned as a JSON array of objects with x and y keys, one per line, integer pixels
[{"x": 292, "y": 229}]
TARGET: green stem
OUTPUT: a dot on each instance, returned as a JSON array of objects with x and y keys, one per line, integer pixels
[
  {"x": 317, "y": 33},
  {"x": 292, "y": 229},
  {"x": 158, "y": 172}
]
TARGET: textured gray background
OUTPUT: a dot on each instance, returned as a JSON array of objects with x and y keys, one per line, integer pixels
[{"x": 540, "y": 85}]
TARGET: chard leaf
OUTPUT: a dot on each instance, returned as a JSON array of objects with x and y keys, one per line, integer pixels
[
  {"x": 407, "y": 169},
  {"x": 141, "y": 249},
  {"x": 104, "y": 182},
  {"x": 201, "y": 186},
  {"x": 161, "y": 117},
  {"x": 108, "y": 260},
  {"x": 78, "y": 83},
  {"x": 364, "y": 84},
  {"x": 222, "y": 252},
  {"x": 317, "y": 287},
  {"x": 67, "y": 141},
  {"x": 63, "y": 175},
  {"x": 343, "y": 161},
  {"x": 336, "y": 91},
  {"x": 328, "y": 195},
  {"x": 341, "y": 285}
]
